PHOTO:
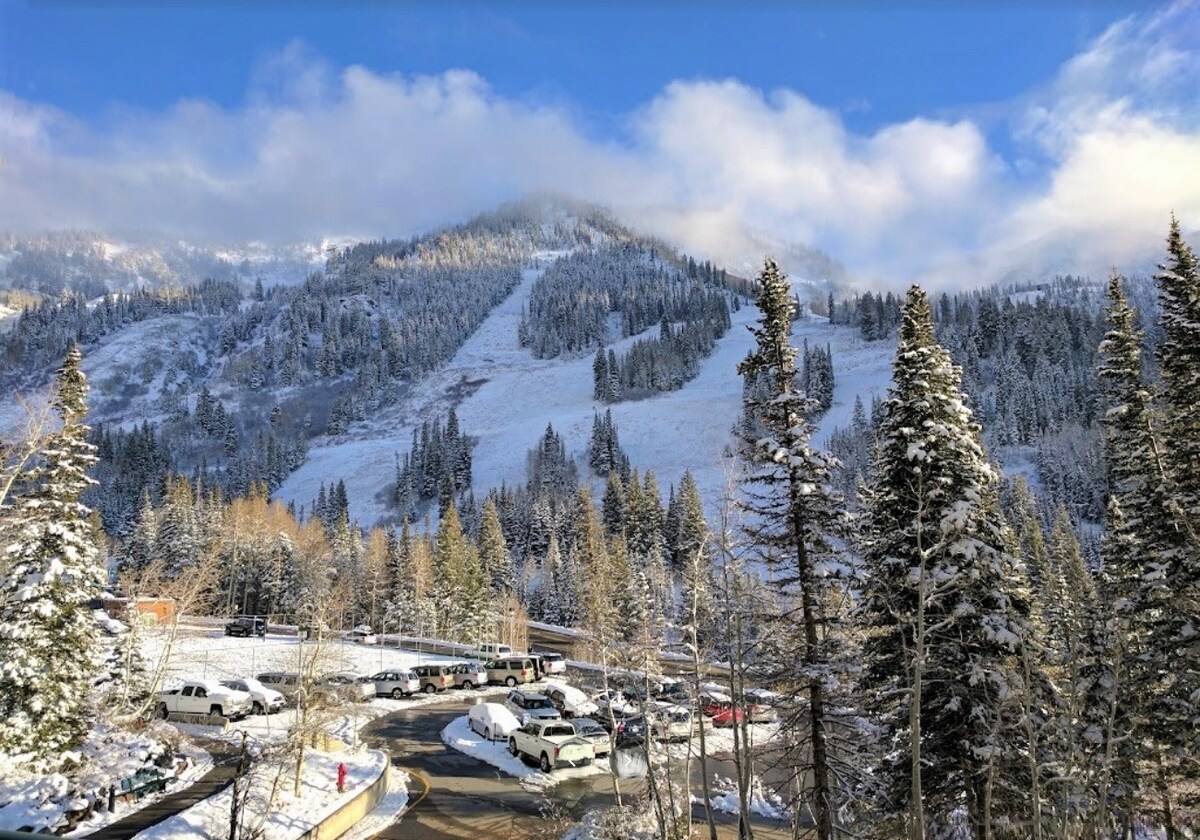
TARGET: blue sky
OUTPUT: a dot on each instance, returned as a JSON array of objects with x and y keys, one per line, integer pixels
[
  {"x": 905, "y": 139},
  {"x": 874, "y": 62}
]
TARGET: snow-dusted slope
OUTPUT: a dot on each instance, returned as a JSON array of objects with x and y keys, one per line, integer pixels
[{"x": 505, "y": 398}]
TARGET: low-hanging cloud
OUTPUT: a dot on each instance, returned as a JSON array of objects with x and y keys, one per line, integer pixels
[{"x": 1104, "y": 152}]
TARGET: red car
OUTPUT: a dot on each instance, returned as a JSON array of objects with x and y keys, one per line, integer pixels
[{"x": 723, "y": 713}]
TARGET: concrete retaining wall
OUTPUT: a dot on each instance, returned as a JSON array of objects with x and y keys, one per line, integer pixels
[{"x": 340, "y": 821}]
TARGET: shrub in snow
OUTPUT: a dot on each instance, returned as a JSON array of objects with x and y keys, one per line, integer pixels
[{"x": 56, "y": 802}]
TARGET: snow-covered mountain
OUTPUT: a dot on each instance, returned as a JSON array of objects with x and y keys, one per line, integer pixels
[
  {"x": 326, "y": 379},
  {"x": 331, "y": 379}
]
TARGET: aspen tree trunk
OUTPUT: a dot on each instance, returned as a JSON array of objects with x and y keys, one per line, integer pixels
[
  {"x": 704, "y": 784},
  {"x": 733, "y": 630}
]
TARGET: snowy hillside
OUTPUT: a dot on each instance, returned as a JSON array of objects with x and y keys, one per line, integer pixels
[{"x": 505, "y": 398}]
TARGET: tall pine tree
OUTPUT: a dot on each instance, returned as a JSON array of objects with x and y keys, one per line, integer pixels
[
  {"x": 945, "y": 622},
  {"x": 47, "y": 633},
  {"x": 795, "y": 512}
]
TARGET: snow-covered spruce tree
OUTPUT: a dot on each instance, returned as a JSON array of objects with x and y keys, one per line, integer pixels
[
  {"x": 1179, "y": 358},
  {"x": 793, "y": 513},
  {"x": 1174, "y": 578},
  {"x": 945, "y": 626},
  {"x": 47, "y": 633},
  {"x": 1141, "y": 537},
  {"x": 461, "y": 590},
  {"x": 494, "y": 555}
]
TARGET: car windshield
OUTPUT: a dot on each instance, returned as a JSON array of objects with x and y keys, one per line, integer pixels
[
  {"x": 588, "y": 727},
  {"x": 537, "y": 703},
  {"x": 552, "y": 731}
]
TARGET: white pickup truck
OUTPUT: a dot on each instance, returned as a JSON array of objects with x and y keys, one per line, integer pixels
[
  {"x": 551, "y": 743},
  {"x": 205, "y": 697}
]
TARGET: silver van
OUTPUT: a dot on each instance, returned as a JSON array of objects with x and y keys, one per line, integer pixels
[{"x": 510, "y": 672}]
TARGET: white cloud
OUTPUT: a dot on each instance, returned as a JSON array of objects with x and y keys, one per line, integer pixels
[{"x": 1103, "y": 153}]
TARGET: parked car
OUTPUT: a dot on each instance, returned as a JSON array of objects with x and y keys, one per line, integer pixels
[
  {"x": 263, "y": 700},
  {"x": 528, "y": 705},
  {"x": 434, "y": 678},
  {"x": 761, "y": 705},
  {"x": 493, "y": 721},
  {"x": 758, "y": 713},
  {"x": 204, "y": 697},
  {"x": 670, "y": 722},
  {"x": 630, "y": 731},
  {"x": 723, "y": 713},
  {"x": 247, "y": 625},
  {"x": 763, "y": 697},
  {"x": 346, "y": 685},
  {"x": 553, "y": 663},
  {"x": 469, "y": 675},
  {"x": 675, "y": 692},
  {"x": 510, "y": 672},
  {"x": 287, "y": 684},
  {"x": 492, "y": 650},
  {"x": 711, "y": 701},
  {"x": 551, "y": 743},
  {"x": 570, "y": 701},
  {"x": 614, "y": 700},
  {"x": 396, "y": 684},
  {"x": 361, "y": 635},
  {"x": 539, "y": 665},
  {"x": 585, "y": 727}
]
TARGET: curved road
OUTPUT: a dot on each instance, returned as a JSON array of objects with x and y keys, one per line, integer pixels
[{"x": 467, "y": 798}]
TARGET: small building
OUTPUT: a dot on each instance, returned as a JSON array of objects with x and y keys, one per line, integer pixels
[{"x": 153, "y": 609}]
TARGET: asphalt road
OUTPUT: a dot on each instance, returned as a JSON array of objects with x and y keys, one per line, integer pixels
[{"x": 456, "y": 796}]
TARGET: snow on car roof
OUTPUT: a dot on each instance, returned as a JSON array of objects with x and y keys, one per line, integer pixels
[
  {"x": 495, "y": 712},
  {"x": 569, "y": 691}
]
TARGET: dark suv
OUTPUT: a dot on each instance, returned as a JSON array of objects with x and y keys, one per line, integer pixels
[{"x": 247, "y": 625}]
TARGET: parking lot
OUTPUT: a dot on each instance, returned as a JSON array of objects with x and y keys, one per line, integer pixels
[{"x": 454, "y": 793}]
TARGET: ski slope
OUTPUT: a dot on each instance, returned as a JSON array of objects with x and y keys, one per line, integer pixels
[{"x": 505, "y": 398}]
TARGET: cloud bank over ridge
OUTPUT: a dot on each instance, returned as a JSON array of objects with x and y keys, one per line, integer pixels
[{"x": 1096, "y": 159}]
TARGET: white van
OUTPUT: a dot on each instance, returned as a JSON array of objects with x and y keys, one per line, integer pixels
[{"x": 492, "y": 650}]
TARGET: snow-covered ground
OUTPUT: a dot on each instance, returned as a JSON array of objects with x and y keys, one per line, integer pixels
[
  {"x": 763, "y": 802},
  {"x": 505, "y": 398},
  {"x": 214, "y": 656},
  {"x": 40, "y": 802},
  {"x": 458, "y": 735},
  {"x": 286, "y": 816},
  {"x": 719, "y": 741}
]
